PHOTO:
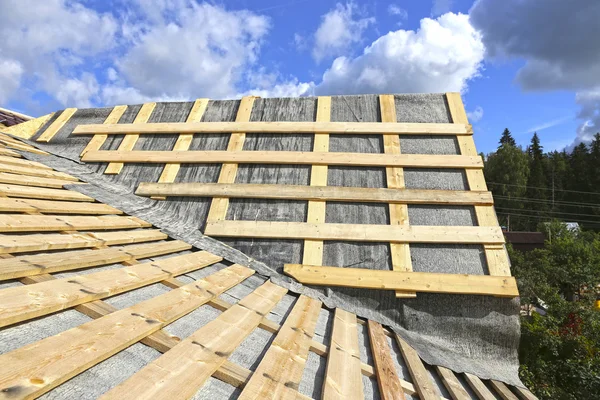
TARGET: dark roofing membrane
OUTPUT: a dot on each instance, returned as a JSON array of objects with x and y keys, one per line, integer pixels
[{"x": 466, "y": 333}]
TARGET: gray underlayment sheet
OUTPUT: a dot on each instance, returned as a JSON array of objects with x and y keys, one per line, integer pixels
[{"x": 466, "y": 333}]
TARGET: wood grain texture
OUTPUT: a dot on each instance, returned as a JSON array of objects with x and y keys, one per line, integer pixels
[
  {"x": 25, "y": 302},
  {"x": 98, "y": 140},
  {"x": 35, "y": 181},
  {"x": 45, "y": 223},
  {"x": 42, "y": 193},
  {"x": 356, "y": 232},
  {"x": 58, "y": 123},
  {"x": 430, "y": 282},
  {"x": 524, "y": 393},
  {"x": 219, "y": 205},
  {"x": 387, "y": 376},
  {"x": 482, "y": 392},
  {"x": 452, "y": 384},
  {"x": 313, "y": 249},
  {"x": 29, "y": 128},
  {"x": 399, "y": 252},
  {"x": 182, "y": 371},
  {"x": 36, "y": 368},
  {"x": 284, "y": 158},
  {"x": 129, "y": 141},
  {"x": 23, "y": 163},
  {"x": 55, "y": 207},
  {"x": 420, "y": 377},
  {"x": 503, "y": 390},
  {"x": 278, "y": 127},
  {"x": 35, "y": 171},
  {"x": 316, "y": 193},
  {"x": 343, "y": 374},
  {"x": 497, "y": 259},
  {"x": 278, "y": 374}
]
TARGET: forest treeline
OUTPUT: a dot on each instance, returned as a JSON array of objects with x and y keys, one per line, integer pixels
[{"x": 531, "y": 186}]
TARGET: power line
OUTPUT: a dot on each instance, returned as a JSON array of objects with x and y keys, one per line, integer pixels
[
  {"x": 547, "y": 218},
  {"x": 550, "y": 212},
  {"x": 540, "y": 201},
  {"x": 542, "y": 188}
]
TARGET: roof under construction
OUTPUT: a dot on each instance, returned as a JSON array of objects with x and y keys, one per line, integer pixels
[{"x": 330, "y": 247}]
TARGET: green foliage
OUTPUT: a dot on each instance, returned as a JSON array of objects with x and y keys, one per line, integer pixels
[
  {"x": 507, "y": 138},
  {"x": 560, "y": 352}
]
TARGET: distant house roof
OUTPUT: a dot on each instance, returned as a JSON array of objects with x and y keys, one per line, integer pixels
[{"x": 10, "y": 118}]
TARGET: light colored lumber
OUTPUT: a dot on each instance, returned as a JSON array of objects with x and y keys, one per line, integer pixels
[
  {"x": 23, "y": 162},
  {"x": 29, "y": 128},
  {"x": 18, "y": 114},
  {"x": 482, "y": 392},
  {"x": 500, "y": 286},
  {"x": 452, "y": 384},
  {"x": 22, "y": 303},
  {"x": 182, "y": 371},
  {"x": 285, "y": 158},
  {"x": 44, "y": 223},
  {"x": 34, "y": 171},
  {"x": 316, "y": 193},
  {"x": 343, "y": 374},
  {"x": 18, "y": 267},
  {"x": 525, "y": 393},
  {"x": 219, "y": 205},
  {"x": 54, "y": 207},
  {"x": 45, "y": 364},
  {"x": 399, "y": 252},
  {"x": 280, "y": 371},
  {"x": 387, "y": 376},
  {"x": 278, "y": 127},
  {"x": 45, "y": 242},
  {"x": 7, "y": 152},
  {"x": 420, "y": 377},
  {"x": 313, "y": 249},
  {"x": 58, "y": 123},
  {"x": 22, "y": 147},
  {"x": 356, "y": 232},
  {"x": 42, "y": 193},
  {"x": 184, "y": 141},
  {"x": 98, "y": 140},
  {"x": 503, "y": 390},
  {"x": 497, "y": 259},
  {"x": 36, "y": 181},
  {"x": 129, "y": 141}
]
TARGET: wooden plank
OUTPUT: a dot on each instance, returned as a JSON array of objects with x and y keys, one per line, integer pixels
[
  {"x": 182, "y": 371},
  {"x": 356, "y": 232},
  {"x": 280, "y": 371},
  {"x": 44, "y": 173},
  {"x": 278, "y": 127},
  {"x": 129, "y": 141},
  {"x": 45, "y": 242},
  {"x": 316, "y": 193},
  {"x": 420, "y": 377},
  {"x": 98, "y": 140},
  {"x": 22, "y": 147},
  {"x": 501, "y": 286},
  {"x": 497, "y": 259},
  {"x": 18, "y": 267},
  {"x": 6, "y": 152},
  {"x": 387, "y": 376},
  {"x": 36, "y": 181},
  {"x": 285, "y": 158},
  {"x": 525, "y": 393},
  {"x": 400, "y": 252},
  {"x": 219, "y": 205},
  {"x": 503, "y": 390},
  {"x": 452, "y": 384},
  {"x": 343, "y": 374},
  {"x": 29, "y": 128},
  {"x": 183, "y": 141},
  {"x": 38, "y": 367},
  {"x": 42, "y": 193},
  {"x": 482, "y": 392},
  {"x": 23, "y": 163},
  {"x": 22, "y": 303},
  {"x": 54, "y": 207},
  {"x": 313, "y": 249},
  {"x": 56, "y": 125},
  {"x": 44, "y": 223}
]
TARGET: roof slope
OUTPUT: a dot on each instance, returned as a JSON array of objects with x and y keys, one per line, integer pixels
[{"x": 478, "y": 334}]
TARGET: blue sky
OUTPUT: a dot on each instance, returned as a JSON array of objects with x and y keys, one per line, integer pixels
[{"x": 529, "y": 66}]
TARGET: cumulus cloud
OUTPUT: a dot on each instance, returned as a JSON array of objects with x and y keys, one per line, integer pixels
[
  {"x": 442, "y": 55},
  {"x": 396, "y": 10},
  {"x": 340, "y": 28},
  {"x": 475, "y": 115},
  {"x": 441, "y": 7},
  {"x": 564, "y": 58},
  {"x": 10, "y": 78}
]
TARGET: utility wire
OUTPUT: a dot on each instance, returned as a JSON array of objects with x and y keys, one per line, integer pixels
[
  {"x": 549, "y": 212},
  {"x": 547, "y": 218},
  {"x": 542, "y": 188},
  {"x": 565, "y": 203}
]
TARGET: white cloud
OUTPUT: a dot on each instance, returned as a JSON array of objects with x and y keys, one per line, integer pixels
[
  {"x": 475, "y": 115},
  {"x": 441, "y": 56},
  {"x": 77, "y": 92},
  {"x": 589, "y": 101},
  {"x": 396, "y": 10},
  {"x": 441, "y": 7},
  {"x": 549, "y": 124},
  {"x": 10, "y": 78},
  {"x": 340, "y": 28}
]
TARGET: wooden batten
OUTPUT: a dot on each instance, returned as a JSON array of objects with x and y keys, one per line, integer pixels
[{"x": 55, "y": 126}]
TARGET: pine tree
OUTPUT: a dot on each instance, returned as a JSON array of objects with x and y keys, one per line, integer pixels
[
  {"x": 507, "y": 138},
  {"x": 536, "y": 184}
]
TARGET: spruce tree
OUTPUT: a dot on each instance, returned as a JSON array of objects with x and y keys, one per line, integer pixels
[
  {"x": 536, "y": 184},
  {"x": 507, "y": 138}
]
